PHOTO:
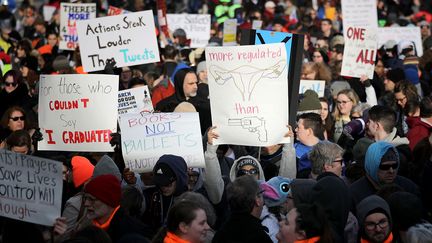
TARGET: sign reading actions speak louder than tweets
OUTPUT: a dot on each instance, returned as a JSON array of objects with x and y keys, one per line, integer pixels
[{"x": 128, "y": 39}]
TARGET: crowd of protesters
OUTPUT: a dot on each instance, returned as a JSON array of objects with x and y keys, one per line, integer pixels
[{"x": 358, "y": 167}]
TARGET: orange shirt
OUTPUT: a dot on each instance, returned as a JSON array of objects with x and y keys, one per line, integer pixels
[
  {"x": 311, "y": 240},
  {"x": 106, "y": 225},
  {"x": 173, "y": 238}
]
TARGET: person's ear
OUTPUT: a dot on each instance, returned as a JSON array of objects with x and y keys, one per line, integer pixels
[{"x": 183, "y": 227}]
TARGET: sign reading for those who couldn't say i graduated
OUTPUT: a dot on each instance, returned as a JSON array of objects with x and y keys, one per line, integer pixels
[{"x": 128, "y": 39}]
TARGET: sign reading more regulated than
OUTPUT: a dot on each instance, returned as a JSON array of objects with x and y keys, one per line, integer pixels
[
  {"x": 128, "y": 39},
  {"x": 78, "y": 112},
  {"x": 30, "y": 188}
]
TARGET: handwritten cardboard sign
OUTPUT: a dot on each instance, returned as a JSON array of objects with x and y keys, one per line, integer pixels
[
  {"x": 399, "y": 34},
  {"x": 134, "y": 100},
  {"x": 230, "y": 32},
  {"x": 70, "y": 14},
  {"x": 253, "y": 83},
  {"x": 145, "y": 138},
  {"x": 30, "y": 188},
  {"x": 129, "y": 39},
  {"x": 77, "y": 112},
  {"x": 48, "y": 12},
  {"x": 196, "y": 26},
  {"x": 360, "y": 51},
  {"x": 360, "y": 13},
  {"x": 316, "y": 85}
]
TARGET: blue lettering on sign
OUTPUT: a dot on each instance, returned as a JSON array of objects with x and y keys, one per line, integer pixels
[{"x": 129, "y": 57}]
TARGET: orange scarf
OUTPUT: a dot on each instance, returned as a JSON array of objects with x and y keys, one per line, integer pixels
[
  {"x": 106, "y": 225},
  {"x": 311, "y": 240},
  {"x": 173, "y": 238},
  {"x": 388, "y": 240}
]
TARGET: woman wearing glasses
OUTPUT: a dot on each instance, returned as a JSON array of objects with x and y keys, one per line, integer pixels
[
  {"x": 14, "y": 92},
  {"x": 14, "y": 119},
  {"x": 345, "y": 101}
]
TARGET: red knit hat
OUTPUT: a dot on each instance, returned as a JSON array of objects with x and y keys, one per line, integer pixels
[
  {"x": 105, "y": 188},
  {"x": 82, "y": 170}
]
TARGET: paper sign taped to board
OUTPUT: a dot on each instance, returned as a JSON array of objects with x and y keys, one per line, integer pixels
[
  {"x": 78, "y": 112},
  {"x": 30, "y": 188},
  {"x": 146, "y": 137},
  {"x": 253, "y": 81}
]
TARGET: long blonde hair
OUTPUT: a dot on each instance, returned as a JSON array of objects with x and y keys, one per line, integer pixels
[{"x": 352, "y": 95}]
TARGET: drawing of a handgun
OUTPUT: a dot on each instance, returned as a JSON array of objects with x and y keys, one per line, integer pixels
[{"x": 253, "y": 124}]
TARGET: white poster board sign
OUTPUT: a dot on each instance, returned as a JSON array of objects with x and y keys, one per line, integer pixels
[
  {"x": 134, "y": 100},
  {"x": 128, "y": 39},
  {"x": 360, "y": 52},
  {"x": 30, "y": 188},
  {"x": 256, "y": 24},
  {"x": 360, "y": 13},
  {"x": 146, "y": 137},
  {"x": 249, "y": 93},
  {"x": 230, "y": 32},
  {"x": 70, "y": 14},
  {"x": 399, "y": 34},
  {"x": 316, "y": 85},
  {"x": 196, "y": 26},
  {"x": 77, "y": 112}
]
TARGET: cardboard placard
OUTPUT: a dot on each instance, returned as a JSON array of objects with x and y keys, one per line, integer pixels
[
  {"x": 128, "y": 39},
  {"x": 134, "y": 100},
  {"x": 254, "y": 83},
  {"x": 399, "y": 34},
  {"x": 78, "y": 112},
  {"x": 316, "y": 85},
  {"x": 196, "y": 26},
  {"x": 30, "y": 188},
  {"x": 360, "y": 13},
  {"x": 70, "y": 14},
  {"x": 230, "y": 32},
  {"x": 146, "y": 137}
]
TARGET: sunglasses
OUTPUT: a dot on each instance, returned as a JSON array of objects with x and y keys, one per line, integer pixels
[
  {"x": 10, "y": 84},
  {"x": 394, "y": 166},
  {"x": 242, "y": 172},
  {"x": 22, "y": 118}
]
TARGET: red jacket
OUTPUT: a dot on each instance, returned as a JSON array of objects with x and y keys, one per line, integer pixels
[{"x": 418, "y": 129}]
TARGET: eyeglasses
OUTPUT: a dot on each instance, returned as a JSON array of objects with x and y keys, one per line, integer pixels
[
  {"x": 88, "y": 198},
  {"x": 394, "y": 166},
  {"x": 22, "y": 118},
  {"x": 338, "y": 161},
  {"x": 371, "y": 225},
  {"x": 10, "y": 84},
  {"x": 401, "y": 99},
  {"x": 316, "y": 56},
  {"x": 242, "y": 172},
  {"x": 343, "y": 101}
]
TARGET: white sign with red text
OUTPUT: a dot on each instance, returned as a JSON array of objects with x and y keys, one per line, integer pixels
[
  {"x": 78, "y": 112},
  {"x": 70, "y": 14}
]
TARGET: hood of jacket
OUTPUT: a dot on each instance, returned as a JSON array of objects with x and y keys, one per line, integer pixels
[{"x": 234, "y": 169}]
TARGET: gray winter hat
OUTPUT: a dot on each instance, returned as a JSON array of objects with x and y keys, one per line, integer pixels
[{"x": 106, "y": 166}]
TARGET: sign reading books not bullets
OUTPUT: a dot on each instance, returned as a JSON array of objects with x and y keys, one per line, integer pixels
[
  {"x": 146, "y": 137},
  {"x": 70, "y": 14},
  {"x": 249, "y": 91},
  {"x": 30, "y": 188},
  {"x": 128, "y": 39},
  {"x": 78, "y": 112}
]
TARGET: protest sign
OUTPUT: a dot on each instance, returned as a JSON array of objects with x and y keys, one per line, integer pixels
[
  {"x": 134, "y": 100},
  {"x": 253, "y": 81},
  {"x": 196, "y": 26},
  {"x": 129, "y": 39},
  {"x": 316, "y": 85},
  {"x": 30, "y": 188},
  {"x": 399, "y": 34},
  {"x": 256, "y": 24},
  {"x": 77, "y": 112},
  {"x": 359, "y": 52},
  {"x": 230, "y": 32},
  {"x": 116, "y": 11},
  {"x": 360, "y": 13},
  {"x": 146, "y": 137},
  {"x": 70, "y": 15},
  {"x": 48, "y": 12}
]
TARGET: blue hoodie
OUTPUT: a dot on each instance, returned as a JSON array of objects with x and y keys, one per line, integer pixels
[
  {"x": 373, "y": 158},
  {"x": 179, "y": 167}
]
